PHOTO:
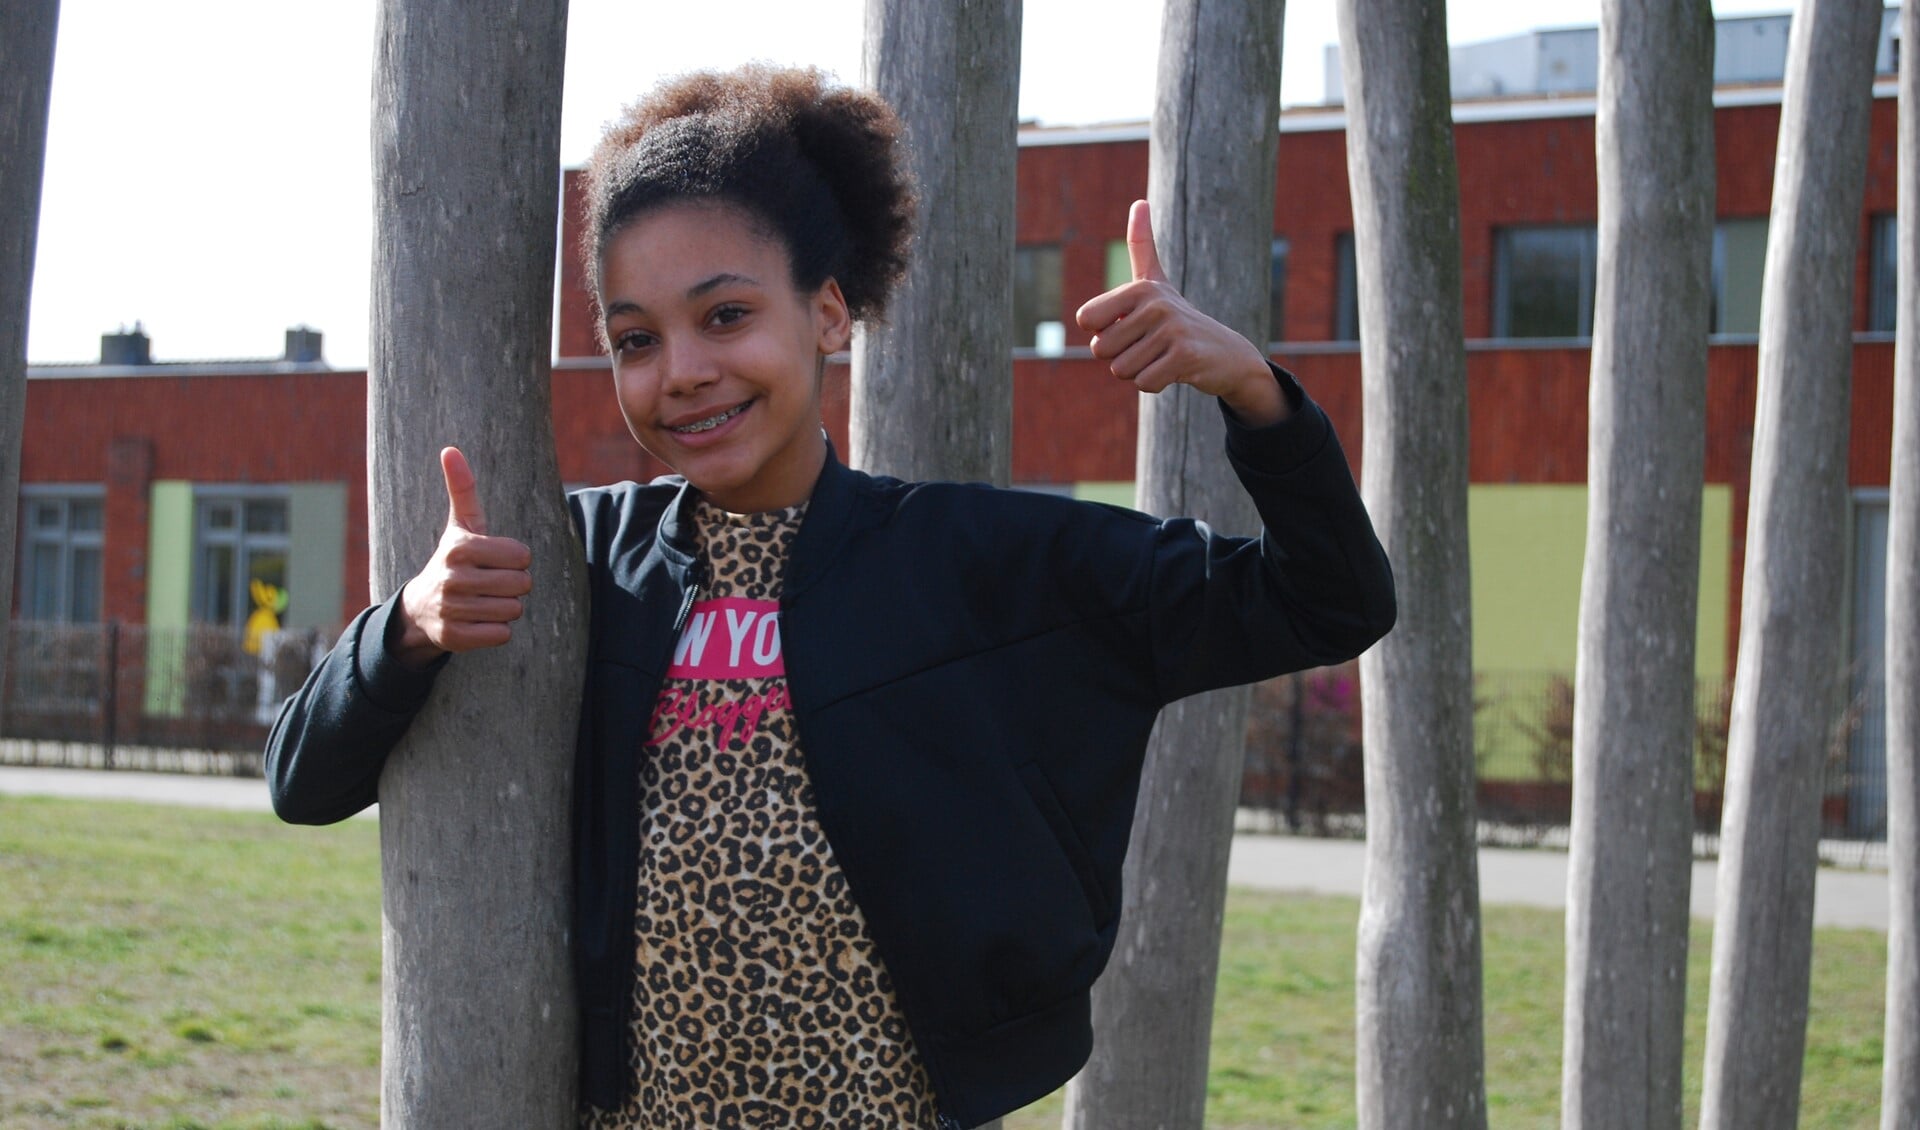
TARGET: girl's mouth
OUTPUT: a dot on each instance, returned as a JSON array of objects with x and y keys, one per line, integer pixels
[{"x": 711, "y": 422}]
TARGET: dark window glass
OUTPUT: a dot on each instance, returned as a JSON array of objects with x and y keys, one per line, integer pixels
[
  {"x": 1277, "y": 292},
  {"x": 267, "y": 516},
  {"x": 1739, "y": 265},
  {"x": 1346, "y": 308},
  {"x": 1543, "y": 282},
  {"x": 1883, "y": 262},
  {"x": 83, "y": 602}
]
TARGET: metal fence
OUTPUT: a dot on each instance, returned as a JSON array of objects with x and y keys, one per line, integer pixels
[
  {"x": 1303, "y": 768},
  {"x": 119, "y": 696},
  {"x": 194, "y": 700}
]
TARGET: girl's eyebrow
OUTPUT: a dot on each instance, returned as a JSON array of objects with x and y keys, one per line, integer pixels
[{"x": 725, "y": 278}]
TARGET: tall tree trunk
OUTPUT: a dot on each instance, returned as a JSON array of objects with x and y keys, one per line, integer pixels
[
  {"x": 932, "y": 394},
  {"x": 1211, "y": 160},
  {"x": 479, "y": 1026},
  {"x": 933, "y": 388},
  {"x": 26, "y": 80},
  {"x": 1633, "y": 720},
  {"x": 1900, "y": 1084},
  {"x": 1786, "y": 690},
  {"x": 1420, "y": 1059}
]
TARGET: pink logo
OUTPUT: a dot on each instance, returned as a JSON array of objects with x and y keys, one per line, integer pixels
[{"x": 730, "y": 638}]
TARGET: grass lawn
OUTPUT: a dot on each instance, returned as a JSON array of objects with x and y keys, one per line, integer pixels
[{"x": 173, "y": 968}]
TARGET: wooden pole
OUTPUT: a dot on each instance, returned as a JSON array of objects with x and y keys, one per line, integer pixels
[
  {"x": 1420, "y": 1059},
  {"x": 1631, "y": 861},
  {"x": 1212, "y": 152},
  {"x": 479, "y": 1026},
  {"x": 932, "y": 394},
  {"x": 1900, "y": 1080},
  {"x": 1786, "y": 691},
  {"x": 27, "y": 30},
  {"x": 932, "y": 389}
]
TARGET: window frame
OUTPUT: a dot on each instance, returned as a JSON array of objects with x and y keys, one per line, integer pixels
[
  {"x": 1026, "y": 331},
  {"x": 1586, "y": 282},
  {"x": 244, "y": 543},
  {"x": 67, "y": 540}
]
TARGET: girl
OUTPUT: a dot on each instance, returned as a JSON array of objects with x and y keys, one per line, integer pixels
[{"x": 858, "y": 757}]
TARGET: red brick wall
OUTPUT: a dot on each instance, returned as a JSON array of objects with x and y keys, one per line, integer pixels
[
  {"x": 127, "y": 432},
  {"x": 1073, "y": 422}
]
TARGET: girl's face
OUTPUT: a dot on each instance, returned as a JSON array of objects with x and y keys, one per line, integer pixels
[{"x": 716, "y": 356}]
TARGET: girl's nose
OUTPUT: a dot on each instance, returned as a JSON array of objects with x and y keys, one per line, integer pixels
[{"x": 686, "y": 366}]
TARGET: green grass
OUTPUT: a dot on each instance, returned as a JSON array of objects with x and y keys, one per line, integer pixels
[
  {"x": 170, "y": 969},
  {"x": 177, "y": 968}
]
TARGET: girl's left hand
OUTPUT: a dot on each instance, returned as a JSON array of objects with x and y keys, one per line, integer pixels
[{"x": 1150, "y": 335}]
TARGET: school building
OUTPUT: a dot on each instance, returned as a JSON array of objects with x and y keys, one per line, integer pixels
[{"x": 219, "y": 501}]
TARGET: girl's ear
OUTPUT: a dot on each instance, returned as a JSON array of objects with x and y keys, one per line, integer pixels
[{"x": 833, "y": 318}]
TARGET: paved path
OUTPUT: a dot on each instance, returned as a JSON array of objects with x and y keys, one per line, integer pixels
[
  {"x": 1522, "y": 877},
  {"x": 1510, "y": 876}
]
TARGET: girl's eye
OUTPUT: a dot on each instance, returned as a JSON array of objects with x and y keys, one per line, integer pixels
[
  {"x": 729, "y": 314},
  {"x": 632, "y": 340}
]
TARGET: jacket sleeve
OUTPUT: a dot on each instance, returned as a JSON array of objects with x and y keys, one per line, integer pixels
[
  {"x": 327, "y": 747},
  {"x": 1313, "y": 589}
]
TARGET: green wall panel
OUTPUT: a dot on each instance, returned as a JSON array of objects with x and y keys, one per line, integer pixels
[
  {"x": 1113, "y": 494},
  {"x": 316, "y": 557},
  {"x": 169, "y": 592}
]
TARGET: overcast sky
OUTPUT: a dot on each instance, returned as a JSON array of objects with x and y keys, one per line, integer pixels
[{"x": 207, "y": 160}]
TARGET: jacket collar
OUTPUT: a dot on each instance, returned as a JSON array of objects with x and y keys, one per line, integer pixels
[{"x": 830, "y": 512}]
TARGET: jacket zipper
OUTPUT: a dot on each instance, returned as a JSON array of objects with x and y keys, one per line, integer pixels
[{"x": 698, "y": 577}]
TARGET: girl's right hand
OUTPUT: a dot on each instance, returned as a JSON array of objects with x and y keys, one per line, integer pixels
[{"x": 470, "y": 592}]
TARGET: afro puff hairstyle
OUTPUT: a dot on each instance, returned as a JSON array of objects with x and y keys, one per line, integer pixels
[{"x": 817, "y": 166}]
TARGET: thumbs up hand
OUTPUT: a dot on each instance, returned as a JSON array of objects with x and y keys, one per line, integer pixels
[
  {"x": 1152, "y": 337},
  {"x": 470, "y": 591}
]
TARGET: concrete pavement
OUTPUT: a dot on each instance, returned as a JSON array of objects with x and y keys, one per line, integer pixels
[{"x": 1508, "y": 876}]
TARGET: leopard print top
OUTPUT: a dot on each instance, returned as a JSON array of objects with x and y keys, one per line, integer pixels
[{"x": 759, "y": 999}]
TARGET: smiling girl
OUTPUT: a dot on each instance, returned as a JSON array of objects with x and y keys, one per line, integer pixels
[{"x": 858, "y": 757}]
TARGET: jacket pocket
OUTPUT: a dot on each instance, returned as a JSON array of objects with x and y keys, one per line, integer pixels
[{"x": 1047, "y": 802}]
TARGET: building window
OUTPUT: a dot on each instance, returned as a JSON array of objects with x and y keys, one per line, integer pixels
[
  {"x": 240, "y": 560},
  {"x": 1543, "y": 282},
  {"x": 1036, "y": 300},
  {"x": 1277, "y": 292},
  {"x": 1739, "y": 267},
  {"x": 1883, "y": 264},
  {"x": 60, "y": 555},
  {"x": 1865, "y": 780},
  {"x": 1346, "y": 307}
]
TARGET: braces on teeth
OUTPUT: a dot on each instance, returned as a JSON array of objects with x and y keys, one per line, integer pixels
[{"x": 713, "y": 422}]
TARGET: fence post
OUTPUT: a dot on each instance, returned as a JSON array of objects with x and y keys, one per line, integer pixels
[
  {"x": 1296, "y": 749},
  {"x": 111, "y": 696}
]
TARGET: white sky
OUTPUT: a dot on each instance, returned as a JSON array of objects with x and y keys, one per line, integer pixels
[{"x": 207, "y": 160}]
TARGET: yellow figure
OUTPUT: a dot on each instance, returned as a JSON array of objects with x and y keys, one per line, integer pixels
[{"x": 269, "y": 601}]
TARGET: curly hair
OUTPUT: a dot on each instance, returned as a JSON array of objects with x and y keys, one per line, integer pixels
[{"x": 817, "y": 166}]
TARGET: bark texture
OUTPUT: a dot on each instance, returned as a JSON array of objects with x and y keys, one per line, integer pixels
[
  {"x": 26, "y": 81},
  {"x": 1900, "y": 1082},
  {"x": 1787, "y": 686},
  {"x": 933, "y": 387},
  {"x": 1211, "y": 174},
  {"x": 479, "y": 1016},
  {"x": 1420, "y": 1060},
  {"x": 1633, "y": 724}
]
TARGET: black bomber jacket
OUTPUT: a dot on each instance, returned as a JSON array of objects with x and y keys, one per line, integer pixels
[{"x": 974, "y": 675}]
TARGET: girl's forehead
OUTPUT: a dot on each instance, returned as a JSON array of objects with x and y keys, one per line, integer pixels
[{"x": 677, "y": 248}]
